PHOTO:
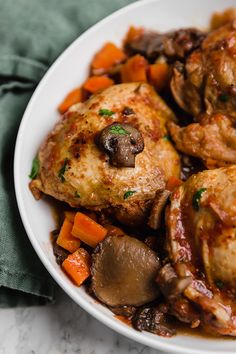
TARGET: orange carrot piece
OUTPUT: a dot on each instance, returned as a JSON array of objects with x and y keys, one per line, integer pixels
[
  {"x": 75, "y": 96},
  {"x": 70, "y": 215},
  {"x": 87, "y": 230},
  {"x": 66, "y": 239},
  {"x": 159, "y": 75},
  {"x": 77, "y": 266},
  {"x": 135, "y": 69},
  {"x": 133, "y": 34},
  {"x": 95, "y": 83},
  {"x": 108, "y": 56},
  {"x": 172, "y": 183}
]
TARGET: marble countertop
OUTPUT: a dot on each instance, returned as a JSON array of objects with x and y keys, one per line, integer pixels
[{"x": 60, "y": 328}]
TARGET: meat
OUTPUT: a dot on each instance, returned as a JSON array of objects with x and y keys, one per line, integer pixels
[
  {"x": 75, "y": 170},
  {"x": 207, "y": 81},
  {"x": 173, "y": 45},
  {"x": 213, "y": 139},
  {"x": 201, "y": 223},
  {"x": 124, "y": 271}
]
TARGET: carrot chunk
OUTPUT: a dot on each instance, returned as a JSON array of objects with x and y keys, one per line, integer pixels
[
  {"x": 159, "y": 75},
  {"x": 95, "y": 83},
  {"x": 75, "y": 96},
  {"x": 135, "y": 69},
  {"x": 77, "y": 266},
  {"x": 66, "y": 239},
  {"x": 70, "y": 215},
  {"x": 172, "y": 183},
  {"x": 87, "y": 230},
  {"x": 108, "y": 56}
]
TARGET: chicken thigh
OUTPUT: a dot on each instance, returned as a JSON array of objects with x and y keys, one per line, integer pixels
[
  {"x": 207, "y": 81},
  {"x": 201, "y": 225},
  {"x": 110, "y": 152}
]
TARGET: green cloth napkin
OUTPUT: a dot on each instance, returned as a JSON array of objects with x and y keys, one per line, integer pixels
[{"x": 33, "y": 33}]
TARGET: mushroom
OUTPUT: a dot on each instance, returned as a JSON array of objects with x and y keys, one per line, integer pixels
[
  {"x": 154, "y": 320},
  {"x": 159, "y": 203},
  {"x": 122, "y": 143},
  {"x": 170, "y": 284},
  {"x": 124, "y": 271}
]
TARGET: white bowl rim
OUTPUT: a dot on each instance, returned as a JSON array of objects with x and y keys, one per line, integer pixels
[{"x": 117, "y": 326}]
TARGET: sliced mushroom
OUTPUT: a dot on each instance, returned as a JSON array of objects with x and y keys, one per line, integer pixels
[
  {"x": 172, "y": 286},
  {"x": 124, "y": 271},
  {"x": 160, "y": 201},
  {"x": 122, "y": 143}
]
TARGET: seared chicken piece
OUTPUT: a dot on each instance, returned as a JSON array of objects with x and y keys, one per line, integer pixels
[
  {"x": 75, "y": 168},
  {"x": 201, "y": 223},
  {"x": 207, "y": 82},
  {"x": 213, "y": 139}
]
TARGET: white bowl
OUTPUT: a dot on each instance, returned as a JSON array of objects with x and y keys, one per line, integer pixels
[{"x": 69, "y": 70}]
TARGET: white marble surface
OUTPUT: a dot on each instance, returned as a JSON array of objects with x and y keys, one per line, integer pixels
[{"x": 60, "y": 328}]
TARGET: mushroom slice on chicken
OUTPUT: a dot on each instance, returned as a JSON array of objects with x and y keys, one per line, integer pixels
[
  {"x": 110, "y": 152},
  {"x": 212, "y": 139},
  {"x": 201, "y": 223},
  {"x": 207, "y": 81}
]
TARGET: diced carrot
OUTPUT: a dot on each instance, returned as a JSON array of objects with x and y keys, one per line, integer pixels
[
  {"x": 135, "y": 69},
  {"x": 172, "y": 183},
  {"x": 108, "y": 56},
  {"x": 95, "y": 83},
  {"x": 77, "y": 266},
  {"x": 159, "y": 75},
  {"x": 87, "y": 230},
  {"x": 133, "y": 34},
  {"x": 70, "y": 215},
  {"x": 75, "y": 96},
  {"x": 66, "y": 239}
]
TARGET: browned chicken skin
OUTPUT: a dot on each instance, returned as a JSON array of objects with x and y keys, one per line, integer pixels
[
  {"x": 201, "y": 225},
  {"x": 213, "y": 139},
  {"x": 75, "y": 170},
  {"x": 207, "y": 82}
]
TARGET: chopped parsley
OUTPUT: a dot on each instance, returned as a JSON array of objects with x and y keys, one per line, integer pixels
[
  {"x": 77, "y": 195},
  {"x": 118, "y": 129},
  {"x": 166, "y": 138},
  {"x": 63, "y": 169},
  {"x": 223, "y": 97},
  {"x": 197, "y": 197},
  {"x": 219, "y": 284},
  {"x": 35, "y": 168},
  {"x": 105, "y": 112},
  {"x": 128, "y": 194}
]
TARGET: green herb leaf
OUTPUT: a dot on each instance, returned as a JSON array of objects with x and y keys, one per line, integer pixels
[
  {"x": 197, "y": 197},
  {"x": 35, "y": 168},
  {"x": 224, "y": 97},
  {"x": 118, "y": 129},
  {"x": 105, "y": 112},
  {"x": 166, "y": 138},
  {"x": 63, "y": 169},
  {"x": 128, "y": 194},
  {"x": 77, "y": 195},
  {"x": 219, "y": 284}
]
